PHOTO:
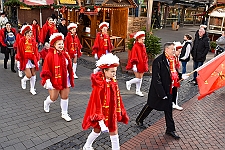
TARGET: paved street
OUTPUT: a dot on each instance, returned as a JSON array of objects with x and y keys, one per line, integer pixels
[{"x": 24, "y": 125}]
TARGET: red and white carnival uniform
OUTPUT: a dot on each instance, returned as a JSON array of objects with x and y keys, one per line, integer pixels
[
  {"x": 72, "y": 45},
  {"x": 102, "y": 44},
  {"x": 58, "y": 68},
  {"x": 47, "y": 30}
]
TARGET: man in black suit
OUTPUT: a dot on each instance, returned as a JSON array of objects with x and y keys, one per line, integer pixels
[{"x": 160, "y": 92}]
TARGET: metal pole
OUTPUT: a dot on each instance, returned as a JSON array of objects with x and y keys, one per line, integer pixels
[{"x": 149, "y": 15}]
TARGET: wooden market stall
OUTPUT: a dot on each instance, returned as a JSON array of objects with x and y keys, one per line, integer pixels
[{"x": 113, "y": 11}]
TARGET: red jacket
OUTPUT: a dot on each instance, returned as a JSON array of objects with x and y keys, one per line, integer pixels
[
  {"x": 109, "y": 109},
  {"x": 52, "y": 60},
  {"x": 138, "y": 56},
  {"x": 16, "y": 44},
  {"x": 27, "y": 52},
  {"x": 46, "y": 31},
  {"x": 100, "y": 43},
  {"x": 72, "y": 45},
  {"x": 36, "y": 31},
  {"x": 43, "y": 53},
  {"x": 3, "y": 36}
]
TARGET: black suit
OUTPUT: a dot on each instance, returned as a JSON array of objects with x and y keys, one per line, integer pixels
[{"x": 160, "y": 87}]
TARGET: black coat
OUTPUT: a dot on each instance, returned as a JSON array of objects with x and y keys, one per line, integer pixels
[
  {"x": 62, "y": 29},
  {"x": 160, "y": 85},
  {"x": 200, "y": 48}
]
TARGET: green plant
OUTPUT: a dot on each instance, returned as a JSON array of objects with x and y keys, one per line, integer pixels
[
  {"x": 130, "y": 43},
  {"x": 213, "y": 44},
  {"x": 152, "y": 44}
]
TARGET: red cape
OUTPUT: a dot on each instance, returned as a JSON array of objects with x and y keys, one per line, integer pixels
[
  {"x": 48, "y": 70},
  {"x": 98, "y": 46},
  {"x": 139, "y": 57},
  {"x": 45, "y": 30},
  {"x": 36, "y": 31},
  {"x": 67, "y": 44},
  {"x": 21, "y": 53},
  {"x": 94, "y": 111}
]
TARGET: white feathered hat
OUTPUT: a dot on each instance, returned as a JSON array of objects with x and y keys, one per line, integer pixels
[
  {"x": 107, "y": 61},
  {"x": 139, "y": 34},
  {"x": 55, "y": 37},
  {"x": 25, "y": 28},
  {"x": 104, "y": 24},
  {"x": 71, "y": 26}
]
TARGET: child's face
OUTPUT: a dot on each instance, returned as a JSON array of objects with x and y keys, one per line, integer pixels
[
  {"x": 110, "y": 73},
  {"x": 185, "y": 38},
  {"x": 59, "y": 45},
  {"x": 141, "y": 40},
  {"x": 73, "y": 30},
  {"x": 104, "y": 30}
]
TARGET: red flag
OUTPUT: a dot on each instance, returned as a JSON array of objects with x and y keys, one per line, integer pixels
[{"x": 211, "y": 76}]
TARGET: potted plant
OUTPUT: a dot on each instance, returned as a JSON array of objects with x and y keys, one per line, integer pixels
[{"x": 213, "y": 46}]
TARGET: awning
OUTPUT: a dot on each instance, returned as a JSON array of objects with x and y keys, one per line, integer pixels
[{"x": 37, "y": 2}]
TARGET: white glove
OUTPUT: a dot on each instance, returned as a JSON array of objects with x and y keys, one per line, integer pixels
[
  {"x": 48, "y": 84},
  {"x": 185, "y": 76},
  {"x": 134, "y": 68},
  {"x": 96, "y": 56},
  {"x": 96, "y": 70},
  {"x": 103, "y": 126},
  {"x": 165, "y": 97},
  {"x": 106, "y": 52}
]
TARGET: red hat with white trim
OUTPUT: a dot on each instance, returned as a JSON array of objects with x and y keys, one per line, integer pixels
[
  {"x": 55, "y": 37},
  {"x": 71, "y": 26},
  {"x": 25, "y": 28},
  {"x": 104, "y": 24},
  {"x": 139, "y": 34},
  {"x": 107, "y": 61}
]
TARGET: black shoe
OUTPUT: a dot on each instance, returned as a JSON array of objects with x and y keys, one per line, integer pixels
[
  {"x": 13, "y": 70},
  {"x": 173, "y": 135},
  {"x": 140, "y": 125}
]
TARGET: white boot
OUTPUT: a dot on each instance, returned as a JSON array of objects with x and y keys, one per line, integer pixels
[
  {"x": 91, "y": 137},
  {"x": 23, "y": 82},
  {"x": 138, "y": 88},
  {"x": 175, "y": 106},
  {"x": 74, "y": 70},
  {"x": 47, "y": 103},
  {"x": 115, "y": 142},
  {"x": 128, "y": 83},
  {"x": 32, "y": 85},
  {"x": 20, "y": 73},
  {"x": 64, "y": 106}
]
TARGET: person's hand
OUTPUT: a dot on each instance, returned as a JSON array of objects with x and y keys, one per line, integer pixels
[
  {"x": 96, "y": 56},
  {"x": 103, "y": 126},
  {"x": 134, "y": 68},
  {"x": 48, "y": 84},
  {"x": 185, "y": 76},
  {"x": 165, "y": 97}
]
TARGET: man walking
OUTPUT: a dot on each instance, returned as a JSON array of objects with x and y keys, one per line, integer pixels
[
  {"x": 164, "y": 77},
  {"x": 199, "y": 51}
]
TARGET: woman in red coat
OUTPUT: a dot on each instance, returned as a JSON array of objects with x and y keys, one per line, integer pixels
[
  {"x": 102, "y": 44},
  {"x": 138, "y": 62},
  {"x": 73, "y": 46},
  {"x": 57, "y": 75},
  {"x": 105, "y": 107},
  {"x": 27, "y": 54},
  {"x": 47, "y": 30},
  {"x": 36, "y": 30}
]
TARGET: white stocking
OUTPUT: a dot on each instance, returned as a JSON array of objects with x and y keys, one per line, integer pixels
[
  {"x": 74, "y": 68},
  {"x": 92, "y": 136},
  {"x": 138, "y": 85},
  {"x": 32, "y": 82},
  {"x": 115, "y": 142},
  {"x": 64, "y": 105}
]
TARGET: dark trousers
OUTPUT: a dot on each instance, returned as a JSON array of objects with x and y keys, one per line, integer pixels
[
  {"x": 174, "y": 93},
  {"x": 196, "y": 64},
  {"x": 7, "y": 52},
  {"x": 170, "y": 126}
]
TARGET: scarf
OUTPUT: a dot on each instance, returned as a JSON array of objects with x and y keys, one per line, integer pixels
[{"x": 173, "y": 71}]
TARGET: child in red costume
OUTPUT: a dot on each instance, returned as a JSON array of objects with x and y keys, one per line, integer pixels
[
  {"x": 73, "y": 46},
  {"x": 57, "y": 75},
  {"x": 15, "y": 45},
  {"x": 27, "y": 54},
  {"x": 102, "y": 44},
  {"x": 138, "y": 62},
  {"x": 105, "y": 107},
  {"x": 47, "y": 30},
  {"x": 36, "y": 30}
]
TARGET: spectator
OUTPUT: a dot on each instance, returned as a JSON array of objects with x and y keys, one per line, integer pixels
[
  {"x": 3, "y": 20},
  {"x": 62, "y": 28}
]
